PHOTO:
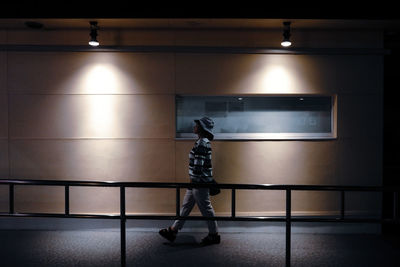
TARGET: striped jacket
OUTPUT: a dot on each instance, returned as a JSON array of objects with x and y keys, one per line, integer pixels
[{"x": 200, "y": 168}]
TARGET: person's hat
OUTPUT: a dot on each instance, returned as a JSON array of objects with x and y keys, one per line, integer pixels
[{"x": 207, "y": 124}]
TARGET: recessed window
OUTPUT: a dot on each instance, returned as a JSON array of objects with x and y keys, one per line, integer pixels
[{"x": 259, "y": 117}]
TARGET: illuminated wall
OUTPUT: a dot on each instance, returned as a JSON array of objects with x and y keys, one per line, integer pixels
[{"x": 111, "y": 116}]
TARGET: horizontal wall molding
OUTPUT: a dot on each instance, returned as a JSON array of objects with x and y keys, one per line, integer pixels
[
  {"x": 87, "y": 139},
  {"x": 24, "y": 93},
  {"x": 194, "y": 49}
]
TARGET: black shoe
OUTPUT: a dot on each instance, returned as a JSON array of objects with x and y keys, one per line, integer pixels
[
  {"x": 211, "y": 239},
  {"x": 168, "y": 233}
]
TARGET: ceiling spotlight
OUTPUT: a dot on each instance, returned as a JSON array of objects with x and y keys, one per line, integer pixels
[
  {"x": 93, "y": 34},
  {"x": 286, "y": 34}
]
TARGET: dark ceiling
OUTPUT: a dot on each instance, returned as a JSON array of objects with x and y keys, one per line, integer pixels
[{"x": 130, "y": 9}]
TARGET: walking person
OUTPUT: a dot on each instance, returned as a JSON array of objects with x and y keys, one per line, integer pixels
[{"x": 200, "y": 171}]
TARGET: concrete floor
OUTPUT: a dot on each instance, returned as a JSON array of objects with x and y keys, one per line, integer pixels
[{"x": 102, "y": 248}]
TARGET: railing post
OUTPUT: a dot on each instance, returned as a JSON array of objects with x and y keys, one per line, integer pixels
[
  {"x": 288, "y": 225},
  {"x": 395, "y": 201},
  {"x": 123, "y": 226},
  {"x": 67, "y": 200},
  {"x": 233, "y": 207},
  {"x": 342, "y": 204},
  {"x": 11, "y": 199},
  {"x": 178, "y": 201}
]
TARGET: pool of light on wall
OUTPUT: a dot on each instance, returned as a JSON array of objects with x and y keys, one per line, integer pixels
[
  {"x": 100, "y": 79},
  {"x": 277, "y": 79},
  {"x": 100, "y": 82}
]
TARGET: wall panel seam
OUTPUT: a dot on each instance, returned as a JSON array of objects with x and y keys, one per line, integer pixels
[
  {"x": 8, "y": 115},
  {"x": 175, "y": 154}
]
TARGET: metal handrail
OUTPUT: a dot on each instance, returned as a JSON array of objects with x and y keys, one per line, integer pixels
[
  {"x": 288, "y": 218},
  {"x": 190, "y": 185}
]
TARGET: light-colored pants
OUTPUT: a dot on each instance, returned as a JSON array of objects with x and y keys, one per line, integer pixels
[{"x": 201, "y": 197}]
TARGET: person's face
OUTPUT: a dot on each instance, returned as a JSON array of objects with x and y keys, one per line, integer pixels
[{"x": 196, "y": 128}]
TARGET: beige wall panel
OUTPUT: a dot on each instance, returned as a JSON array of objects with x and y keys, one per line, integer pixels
[
  {"x": 254, "y": 74},
  {"x": 273, "y": 37},
  {"x": 116, "y": 160},
  {"x": 3, "y": 37},
  {"x": 215, "y": 74},
  {"x": 221, "y": 202},
  {"x": 260, "y": 202},
  {"x": 328, "y": 203},
  {"x": 270, "y": 38},
  {"x": 163, "y": 201},
  {"x": 336, "y": 38},
  {"x": 4, "y": 200},
  {"x": 90, "y": 73},
  {"x": 264, "y": 203},
  {"x": 360, "y": 161},
  {"x": 39, "y": 199},
  {"x": 92, "y": 116},
  {"x": 94, "y": 200},
  {"x": 182, "y": 149},
  {"x": 3, "y": 158},
  {"x": 34, "y": 37},
  {"x": 315, "y": 202},
  {"x": 150, "y": 200},
  {"x": 142, "y": 37},
  {"x": 273, "y": 202},
  {"x": 215, "y": 37},
  {"x": 3, "y": 116},
  {"x": 269, "y": 162},
  {"x": 81, "y": 37},
  {"x": 138, "y": 201},
  {"x": 3, "y": 73},
  {"x": 360, "y": 116}
]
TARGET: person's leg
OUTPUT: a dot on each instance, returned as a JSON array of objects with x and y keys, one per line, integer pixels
[
  {"x": 202, "y": 198},
  {"x": 187, "y": 206}
]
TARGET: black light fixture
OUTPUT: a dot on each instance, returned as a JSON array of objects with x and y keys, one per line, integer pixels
[
  {"x": 286, "y": 34},
  {"x": 93, "y": 34},
  {"x": 34, "y": 25}
]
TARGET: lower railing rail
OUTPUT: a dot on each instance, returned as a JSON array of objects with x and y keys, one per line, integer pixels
[{"x": 288, "y": 218}]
